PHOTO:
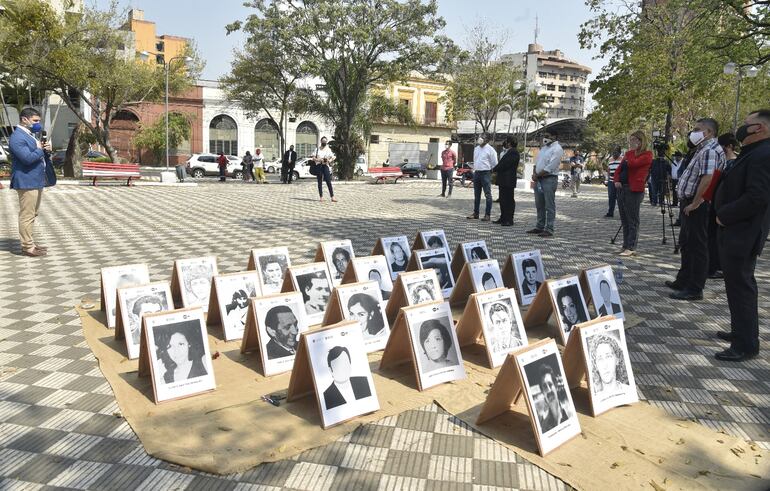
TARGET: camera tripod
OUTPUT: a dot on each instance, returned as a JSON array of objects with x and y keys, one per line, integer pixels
[{"x": 664, "y": 198}]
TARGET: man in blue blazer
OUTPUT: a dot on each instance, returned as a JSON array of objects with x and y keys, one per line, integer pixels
[{"x": 31, "y": 171}]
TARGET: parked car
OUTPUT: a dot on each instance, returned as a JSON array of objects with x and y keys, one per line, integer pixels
[
  {"x": 411, "y": 169},
  {"x": 57, "y": 157},
  {"x": 205, "y": 164},
  {"x": 271, "y": 167},
  {"x": 302, "y": 168}
]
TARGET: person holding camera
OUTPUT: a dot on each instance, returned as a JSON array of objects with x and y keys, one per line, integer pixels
[
  {"x": 693, "y": 236},
  {"x": 629, "y": 181},
  {"x": 612, "y": 167},
  {"x": 31, "y": 172}
]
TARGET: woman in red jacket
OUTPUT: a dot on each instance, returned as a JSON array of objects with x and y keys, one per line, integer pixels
[{"x": 630, "y": 181}]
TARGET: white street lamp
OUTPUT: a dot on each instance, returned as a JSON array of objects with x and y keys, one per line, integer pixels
[
  {"x": 518, "y": 84},
  {"x": 732, "y": 68},
  {"x": 188, "y": 62}
]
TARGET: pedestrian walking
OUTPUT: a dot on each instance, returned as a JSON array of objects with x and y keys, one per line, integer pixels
[
  {"x": 545, "y": 178},
  {"x": 576, "y": 172},
  {"x": 484, "y": 159},
  {"x": 448, "y": 162},
  {"x": 323, "y": 159},
  {"x": 248, "y": 167},
  {"x": 288, "y": 162},
  {"x": 693, "y": 235},
  {"x": 612, "y": 192},
  {"x": 31, "y": 172},
  {"x": 741, "y": 201},
  {"x": 259, "y": 166},
  {"x": 629, "y": 181},
  {"x": 506, "y": 181},
  {"x": 222, "y": 163}
]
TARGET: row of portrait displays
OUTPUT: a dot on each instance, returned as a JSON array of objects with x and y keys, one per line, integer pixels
[{"x": 420, "y": 304}]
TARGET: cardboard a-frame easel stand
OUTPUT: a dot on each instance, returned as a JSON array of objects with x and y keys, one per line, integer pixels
[
  {"x": 147, "y": 368},
  {"x": 216, "y": 312},
  {"x": 576, "y": 367},
  {"x": 399, "y": 296},
  {"x": 351, "y": 275},
  {"x": 470, "y": 327},
  {"x": 142, "y": 268},
  {"x": 320, "y": 256},
  {"x": 465, "y": 286},
  {"x": 176, "y": 281},
  {"x": 459, "y": 259},
  {"x": 541, "y": 308},
  {"x": 303, "y": 380},
  {"x": 506, "y": 391},
  {"x": 120, "y": 327}
]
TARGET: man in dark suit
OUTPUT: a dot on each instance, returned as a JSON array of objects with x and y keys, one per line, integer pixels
[
  {"x": 344, "y": 388},
  {"x": 506, "y": 181},
  {"x": 282, "y": 327},
  {"x": 31, "y": 172},
  {"x": 741, "y": 203},
  {"x": 529, "y": 285},
  {"x": 606, "y": 307},
  {"x": 287, "y": 165}
]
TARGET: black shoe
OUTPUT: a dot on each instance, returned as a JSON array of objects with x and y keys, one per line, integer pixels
[
  {"x": 472, "y": 217},
  {"x": 731, "y": 354},
  {"x": 725, "y": 336},
  {"x": 609, "y": 215},
  {"x": 506, "y": 224},
  {"x": 674, "y": 285},
  {"x": 686, "y": 295},
  {"x": 716, "y": 275},
  {"x": 677, "y": 223},
  {"x": 498, "y": 221},
  {"x": 535, "y": 231},
  {"x": 546, "y": 234},
  {"x": 442, "y": 195}
]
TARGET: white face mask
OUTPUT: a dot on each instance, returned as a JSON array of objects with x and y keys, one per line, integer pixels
[
  {"x": 697, "y": 137},
  {"x": 480, "y": 141},
  {"x": 547, "y": 141}
]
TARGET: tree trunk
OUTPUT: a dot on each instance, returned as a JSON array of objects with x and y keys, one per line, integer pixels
[
  {"x": 72, "y": 166},
  {"x": 669, "y": 118}
]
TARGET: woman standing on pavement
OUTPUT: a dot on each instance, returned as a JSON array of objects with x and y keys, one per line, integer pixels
[
  {"x": 248, "y": 166},
  {"x": 630, "y": 181},
  {"x": 323, "y": 159},
  {"x": 259, "y": 167},
  {"x": 222, "y": 163}
]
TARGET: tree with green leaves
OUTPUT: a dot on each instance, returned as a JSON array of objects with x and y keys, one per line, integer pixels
[
  {"x": 89, "y": 54},
  {"x": 352, "y": 46},
  {"x": 153, "y": 137}
]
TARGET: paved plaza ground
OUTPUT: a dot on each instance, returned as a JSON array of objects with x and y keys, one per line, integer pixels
[{"x": 60, "y": 424}]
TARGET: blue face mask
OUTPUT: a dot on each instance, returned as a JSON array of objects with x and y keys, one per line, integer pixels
[{"x": 36, "y": 127}]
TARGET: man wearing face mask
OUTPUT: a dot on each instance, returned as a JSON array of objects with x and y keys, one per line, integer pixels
[
  {"x": 484, "y": 159},
  {"x": 545, "y": 178},
  {"x": 30, "y": 160},
  {"x": 741, "y": 201},
  {"x": 693, "y": 236},
  {"x": 448, "y": 161}
]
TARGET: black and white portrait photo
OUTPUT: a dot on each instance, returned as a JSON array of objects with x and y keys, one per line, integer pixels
[
  {"x": 486, "y": 275},
  {"x": 437, "y": 260},
  {"x": 281, "y": 319},
  {"x": 120, "y": 277},
  {"x": 397, "y": 252},
  {"x": 315, "y": 288},
  {"x": 271, "y": 265},
  {"x": 435, "y": 344},
  {"x": 362, "y": 302},
  {"x": 548, "y": 396},
  {"x": 195, "y": 277},
  {"x": 604, "y": 292},
  {"x": 502, "y": 325},
  {"x": 436, "y": 239},
  {"x": 338, "y": 255},
  {"x": 134, "y": 303},
  {"x": 570, "y": 305},
  {"x": 610, "y": 376},
  {"x": 180, "y": 357},
  {"x": 341, "y": 373},
  {"x": 374, "y": 268},
  {"x": 529, "y": 274},
  {"x": 422, "y": 290},
  {"x": 234, "y": 292},
  {"x": 475, "y": 251}
]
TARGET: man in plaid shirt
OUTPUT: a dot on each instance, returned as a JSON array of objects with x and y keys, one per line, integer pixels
[{"x": 693, "y": 236}]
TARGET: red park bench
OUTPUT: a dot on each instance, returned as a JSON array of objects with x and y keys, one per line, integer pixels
[
  {"x": 108, "y": 170},
  {"x": 380, "y": 174}
]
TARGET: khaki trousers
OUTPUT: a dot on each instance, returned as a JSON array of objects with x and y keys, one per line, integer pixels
[{"x": 29, "y": 204}]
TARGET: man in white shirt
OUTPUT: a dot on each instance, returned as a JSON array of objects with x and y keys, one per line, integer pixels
[
  {"x": 484, "y": 159},
  {"x": 545, "y": 177}
]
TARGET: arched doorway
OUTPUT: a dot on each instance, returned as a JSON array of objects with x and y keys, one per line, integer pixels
[
  {"x": 307, "y": 139},
  {"x": 267, "y": 139},
  {"x": 123, "y": 127},
  {"x": 223, "y": 135}
]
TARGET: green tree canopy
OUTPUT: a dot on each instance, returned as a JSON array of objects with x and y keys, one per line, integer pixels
[{"x": 153, "y": 137}]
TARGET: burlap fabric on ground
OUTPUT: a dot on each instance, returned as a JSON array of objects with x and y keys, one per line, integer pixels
[{"x": 231, "y": 429}]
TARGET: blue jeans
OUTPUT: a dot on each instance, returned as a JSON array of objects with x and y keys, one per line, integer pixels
[
  {"x": 545, "y": 201},
  {"x": 612, "y": 194},
  {"x": 324, "y": 174},
  {"x": 482, "y": 179},
  {"x": 446, "y": 180}
]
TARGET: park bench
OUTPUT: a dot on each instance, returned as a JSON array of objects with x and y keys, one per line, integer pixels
[
  {"x": 109, "y": 170},
  {"x": 380, "y": 174}
]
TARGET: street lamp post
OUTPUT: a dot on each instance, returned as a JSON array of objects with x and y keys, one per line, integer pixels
[
  {"x": 167, "y": 67},
  {"x": 527, "y": 87},
  {"x": 732, "y": 68}
]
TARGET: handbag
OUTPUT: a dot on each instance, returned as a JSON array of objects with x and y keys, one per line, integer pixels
[{"x": 313, "y": 168}]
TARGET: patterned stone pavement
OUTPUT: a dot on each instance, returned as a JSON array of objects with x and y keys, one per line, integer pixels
[{"x": 60, "y": 424}]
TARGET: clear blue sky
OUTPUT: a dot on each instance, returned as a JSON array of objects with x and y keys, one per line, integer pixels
[{"x": 204, "y": 22}]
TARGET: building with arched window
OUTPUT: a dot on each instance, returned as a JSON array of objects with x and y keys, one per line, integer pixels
[{"x": 223, "y": 135}]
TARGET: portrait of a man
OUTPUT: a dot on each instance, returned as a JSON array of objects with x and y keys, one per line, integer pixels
[
  {"x": 604, "y": 304},
  {"x": 438, "y": 261},
  {"x": 282, "y": 328},
  {"x": 145, "y": 304},
  {"x": 553, "y": 411},
  {"x": 196, "y": 281},
  {"x": 606, "y": 357},
  {"x": 530, "y": 283},
  {"x": 386, "y": 288},
  {"x": 272, "y": 267},
  {"x": 340, "y": 260},
  {"x": 315, "y": 291},
  {"x": 504, "y": 334},
  {"x": 344, "y": 388}
]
